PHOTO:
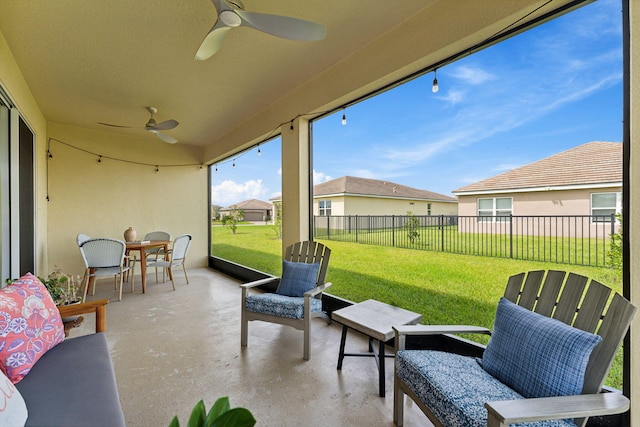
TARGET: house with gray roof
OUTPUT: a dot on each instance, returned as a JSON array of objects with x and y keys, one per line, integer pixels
[
  {"x": 585, "y": 180},
  {"x": 254, "y": 210},
  {"x": 350, "y": 195}
]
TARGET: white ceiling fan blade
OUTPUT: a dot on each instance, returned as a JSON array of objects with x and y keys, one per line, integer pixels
[
  {"x": 282, "y": 26},
  {"x": 166, "y": 138},
  {"x": 212, "y": 41},
  {"x": 166, "y": 125}
]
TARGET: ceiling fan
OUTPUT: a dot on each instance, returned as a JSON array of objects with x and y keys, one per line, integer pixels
[
  {"x": 153, "y": 127},
  {"x": 231, "y": 14}
]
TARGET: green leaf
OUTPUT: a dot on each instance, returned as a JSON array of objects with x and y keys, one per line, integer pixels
[
  {"x": 236, "y": 417},
  {"x": 220, "y": 407},
  {"x": 175, "y": 422},
  {"x": 198, "y": 415}
]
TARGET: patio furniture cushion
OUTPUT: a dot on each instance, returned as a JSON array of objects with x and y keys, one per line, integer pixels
[
  {"x": 74, "y": 384},
  {"x": 30, "y": 325},
  {"x": 13, "y": 410},
  {"x": 456, "y": 387},
  {"x": 297, "y": 278},
  {"x": 280, "y": 305},
  {"x": 535, "y": 355}
]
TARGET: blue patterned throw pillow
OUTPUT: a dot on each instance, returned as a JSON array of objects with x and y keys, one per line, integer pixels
[
  {"x": 535, "y": 355},
  {"x": 297, "y": 278}
]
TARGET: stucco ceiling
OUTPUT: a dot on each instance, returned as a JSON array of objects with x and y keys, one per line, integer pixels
[{"x": 105, "y": 61}]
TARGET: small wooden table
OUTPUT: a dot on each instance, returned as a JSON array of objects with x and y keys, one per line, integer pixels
[
  {"x": 374, "y": 319},
  {"x": 142, "y": 246}
]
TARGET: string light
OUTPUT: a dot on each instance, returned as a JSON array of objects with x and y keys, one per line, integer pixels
[
  {"x": 50, "y": 155},
  {"x": 157, "y": 169},
  {"x": 259, "y": 152},
  {"x": 435, "y": 87},
  {"x": 99, "y": 159},
  {"x": 216, "y": 168},
  {"x": 344, "y": 119},
  {"x": 234, "y": 163}
]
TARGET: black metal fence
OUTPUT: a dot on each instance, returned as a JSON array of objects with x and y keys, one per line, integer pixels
[{"x": 569, "y": 239}]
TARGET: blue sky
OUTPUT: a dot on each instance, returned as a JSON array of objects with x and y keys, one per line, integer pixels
[{"x": 539, "y": 93}]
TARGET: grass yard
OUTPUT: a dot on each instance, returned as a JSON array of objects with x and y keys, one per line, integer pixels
[{"x": 444, "y": 288}]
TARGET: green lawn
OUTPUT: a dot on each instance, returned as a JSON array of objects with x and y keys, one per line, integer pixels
[{"x": 444, "y": 288}]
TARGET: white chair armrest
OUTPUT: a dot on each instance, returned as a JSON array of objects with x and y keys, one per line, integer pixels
[
  {"x": 317, "y": 290},
  {"x": 259, "y": 282},
  {"x": 503, "y": 413}
]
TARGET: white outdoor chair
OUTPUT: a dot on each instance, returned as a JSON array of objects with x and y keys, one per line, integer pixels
[
  {"x": 176, "y": 255},
  {"x": 81, "y": 238},
  {"x": 104, "y": 257}
]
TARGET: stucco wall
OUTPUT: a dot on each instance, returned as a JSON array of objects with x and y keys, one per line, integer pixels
[
  {"x": 568, "y": 202},
  {"x": 102, "y": 200},
  {"x": 351, "y": 205}
]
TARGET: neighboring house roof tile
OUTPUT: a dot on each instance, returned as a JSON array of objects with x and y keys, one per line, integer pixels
[
  {"x": 251, "y": 204},
  {"x": 350, "y": 185},
  {"x": 588, "y": 164}
]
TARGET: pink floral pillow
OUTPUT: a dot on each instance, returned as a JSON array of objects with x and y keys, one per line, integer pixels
[{"x": 30, "y": 324}]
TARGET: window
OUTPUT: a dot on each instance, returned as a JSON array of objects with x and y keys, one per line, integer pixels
[
  {"x": 325, "y": 207},
  {"x": 495, "y": 207},
  {"x": 429, "y": 209},
  {"x": 605, "y": 204}
]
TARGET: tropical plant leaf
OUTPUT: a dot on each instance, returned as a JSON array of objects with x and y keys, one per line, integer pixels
[
  {"x": 221, "y": 406},
  {"x": 236, "y": 417},
  {"x": 198, "y": 415},
  {"x": 175, "y": 422}
]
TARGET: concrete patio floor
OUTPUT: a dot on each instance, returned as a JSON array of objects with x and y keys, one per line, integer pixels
[{"x": 172, "y": 348}]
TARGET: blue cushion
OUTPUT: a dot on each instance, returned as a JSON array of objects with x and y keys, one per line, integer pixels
[
  {"x": 455, "y": 387},
  {"x": 535, "y": 355},
  {"x": 297, "y": 278},
  {"x": 280, "y": 305}
]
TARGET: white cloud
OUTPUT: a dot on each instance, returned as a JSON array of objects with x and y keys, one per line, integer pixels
[
  {"x": 229, "y": 192},
  {"x": 471, "y": 75},
  {"x": 454, "y": 97},
  {"x": 319, "y": 177}
]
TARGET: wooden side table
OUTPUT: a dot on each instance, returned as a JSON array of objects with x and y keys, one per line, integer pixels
[{"x": 374, "y": 319}]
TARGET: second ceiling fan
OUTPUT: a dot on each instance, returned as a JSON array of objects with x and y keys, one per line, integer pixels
[
  {"x": 153, "y": 127},
  {"x": 231, "y": 14}
]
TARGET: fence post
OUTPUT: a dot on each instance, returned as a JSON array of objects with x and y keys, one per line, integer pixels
[
  {"x": 613, "y": 224},
  {"x": 441, "y": 228},
  {"x": 393, "y": 231},
  {"x": 510, "y": 235}
]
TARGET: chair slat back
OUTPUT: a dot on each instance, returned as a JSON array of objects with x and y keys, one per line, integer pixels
[
  {"x": 102, "y": 253},
  {"x": 180, "y": 247},
  {"x": 584, "y": 307},
  {"x": 310, "y": 252}
]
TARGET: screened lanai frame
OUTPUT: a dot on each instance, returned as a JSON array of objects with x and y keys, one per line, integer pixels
[{"x": 514, "y": 29}]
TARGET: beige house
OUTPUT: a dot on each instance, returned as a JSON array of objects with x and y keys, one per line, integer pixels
[
  {"x": 585, "y": 180},
  {"x": 64, "y": 69},
  {"x": 253, "y": 209},
  {"x": 351, "y": 195}
]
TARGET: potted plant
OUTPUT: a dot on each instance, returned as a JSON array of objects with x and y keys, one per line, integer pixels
[
  {"x": 64, "y": 289},
  {"x": 220, "y": 415}
]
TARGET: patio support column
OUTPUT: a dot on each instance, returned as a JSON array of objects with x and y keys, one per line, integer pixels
[
  {"x": 296, "y": 182},
  {"x": 631, "y": 136}
]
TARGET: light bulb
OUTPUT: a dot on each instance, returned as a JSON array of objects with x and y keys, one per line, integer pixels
[
  {"x": 216, "y": 168},
  {"x": 344, "y": 119},
  {"x": 50, "y": 155},
  {"x": 291, "y": 128},
  {"x": 157, "y": 169},
  {"x": 99, "y": 159},
  {"x": 234, "y": 164},
  {"x": 435, "y": 87},
  {"x": 259, "y": 152}
]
